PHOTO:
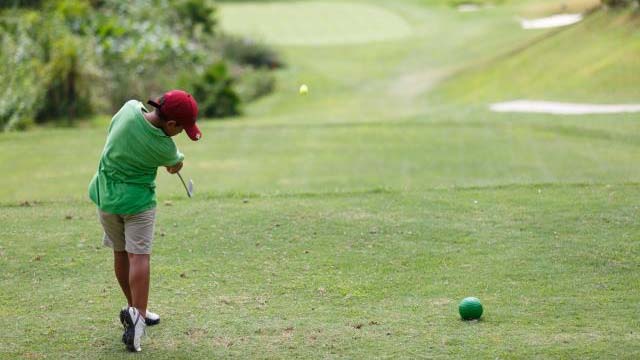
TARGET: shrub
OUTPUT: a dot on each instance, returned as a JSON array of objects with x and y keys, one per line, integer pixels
[
  {"x": 68, "y": 81},
  {"x": 253, "y": 84},
  {"x": 215, "y": 94},
  {"x": 64, "y": 59},
  {"x": 19, "y": 72},
  {"x": 44, "y": 70},
  {"x": 619, "y": 3},
  {"x": 245, "y": 51},
  {"x": 20, "y": 3},
  {"x": 197, "y": 15}
]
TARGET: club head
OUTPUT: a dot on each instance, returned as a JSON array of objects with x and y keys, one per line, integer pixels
[{"x": 190, "y": 188}]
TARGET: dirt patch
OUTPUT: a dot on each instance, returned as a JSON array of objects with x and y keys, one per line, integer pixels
[
  {"x": 196, "y": 334},
  {"x": 225, "y": 342},
  {"x": 440, "y": 301}
]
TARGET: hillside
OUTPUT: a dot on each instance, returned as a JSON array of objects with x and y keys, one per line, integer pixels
[{"x": 593, "y": 61}]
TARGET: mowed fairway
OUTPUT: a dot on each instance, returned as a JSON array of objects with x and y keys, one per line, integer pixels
[
  {"x": 314, "y": 22},
  {"x": 349, "y": 223}
]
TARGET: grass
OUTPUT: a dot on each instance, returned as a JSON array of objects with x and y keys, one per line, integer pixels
[
  {"x": 342, "y": 275},
  {"x": 349, "y": 223},
  {"x": 601, "y": 67},
  {"x": 313, "y": 23}
]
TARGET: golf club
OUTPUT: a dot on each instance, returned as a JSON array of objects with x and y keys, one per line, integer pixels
[{"x": 189, "y": 187}]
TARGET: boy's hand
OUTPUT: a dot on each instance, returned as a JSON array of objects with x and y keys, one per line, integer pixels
[{"x": 175, "y": 168}]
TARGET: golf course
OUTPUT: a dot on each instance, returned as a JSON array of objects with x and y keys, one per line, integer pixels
[{"x": 349, "y": 222}]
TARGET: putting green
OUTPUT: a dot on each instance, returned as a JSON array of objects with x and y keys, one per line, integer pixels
[{"x": 313, "y": 23}]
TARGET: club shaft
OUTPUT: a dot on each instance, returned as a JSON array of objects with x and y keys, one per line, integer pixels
[{"x": 184, "y": 184}]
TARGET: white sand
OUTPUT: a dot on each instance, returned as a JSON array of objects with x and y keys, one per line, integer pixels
[
  {"x": 551, "y": 21},
  {"x": 548, "y": 107}
]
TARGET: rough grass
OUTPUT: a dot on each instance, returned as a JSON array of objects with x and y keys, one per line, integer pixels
[
  {"x": 344, "y": 275},
  {"x": 589, "y": 62}
]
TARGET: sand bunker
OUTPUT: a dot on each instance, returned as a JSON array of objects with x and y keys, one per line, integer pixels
[
  {"x": 548, "y": 107},
  {"x": 551, "y": 21}
]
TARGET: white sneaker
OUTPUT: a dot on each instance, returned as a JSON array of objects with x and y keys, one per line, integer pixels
[
  {"x": 151, "y": 318},
  {"x": 133, "y": 329}
]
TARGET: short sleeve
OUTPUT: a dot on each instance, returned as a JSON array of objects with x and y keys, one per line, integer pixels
[
  {"x": 166, "y": 153},
  {"x": 173, "y": 157}
]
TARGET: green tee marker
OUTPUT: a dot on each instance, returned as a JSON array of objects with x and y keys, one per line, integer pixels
[{"x": 470, "y": 308}]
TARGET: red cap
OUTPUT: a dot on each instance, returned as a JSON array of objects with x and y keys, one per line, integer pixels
[{"x": 181, "y": 107}]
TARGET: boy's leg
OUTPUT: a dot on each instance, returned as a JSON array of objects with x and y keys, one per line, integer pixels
[
  {"x": 138, "y": 230},
  {"x": 139, "y": 281},
  {"x": 114, "y": 237},
  {"x": 121, "y": 267}
]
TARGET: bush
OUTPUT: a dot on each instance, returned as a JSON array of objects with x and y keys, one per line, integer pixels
[
  {"x": 245, "y": 51},
  {"x": 64, "y": 59},
  {"x": 253, "y": 84},
  {"x": 197, "y": 15},
  {"x": 214, "y": 92},
  {"x": 20, "y": 70},
  {"x": 20, "y": 3},
  {"x": 69, "y": 67},
  {"x": 47, "y": 67},
  {"x": 619, "y": 3}
]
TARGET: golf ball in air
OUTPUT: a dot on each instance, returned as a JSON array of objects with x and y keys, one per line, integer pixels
[
  {"x": 470, "y": 308},
  {"x": 304, "y": 89}
]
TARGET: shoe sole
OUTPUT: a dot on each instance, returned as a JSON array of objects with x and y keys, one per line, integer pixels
[
  {"x": 123, "y": 314},
  {"x": 129, "y": 333}
]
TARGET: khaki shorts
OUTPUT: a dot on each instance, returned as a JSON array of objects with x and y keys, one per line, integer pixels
[{"x": 130, "y": 233}]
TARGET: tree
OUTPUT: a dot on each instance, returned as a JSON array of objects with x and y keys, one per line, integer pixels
[{"x": 619, "y": 3}]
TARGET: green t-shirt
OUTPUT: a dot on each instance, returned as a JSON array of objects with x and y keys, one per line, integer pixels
[{"x": 125, "y": 180}]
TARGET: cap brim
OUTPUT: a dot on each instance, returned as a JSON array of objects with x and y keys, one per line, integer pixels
[{"x": 193, "y": 132}]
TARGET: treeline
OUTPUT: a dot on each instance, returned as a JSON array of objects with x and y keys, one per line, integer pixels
[
  {"x": 621, "y": 3},
  {"x": 62, "y": 60},
  {"x": 609, "y": 3}
]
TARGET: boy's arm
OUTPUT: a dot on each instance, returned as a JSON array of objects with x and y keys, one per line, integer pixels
[
  {"x": 174, "y": 162},
  {"x": 169, "y": 156}
]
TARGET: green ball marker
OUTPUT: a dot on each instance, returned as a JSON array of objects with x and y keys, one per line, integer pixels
[{"x": 470, "y": 308}]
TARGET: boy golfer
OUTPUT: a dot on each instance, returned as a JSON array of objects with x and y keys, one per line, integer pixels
[{"x": 138, "y": 142}]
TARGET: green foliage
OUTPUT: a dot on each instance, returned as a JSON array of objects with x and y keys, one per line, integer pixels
[
  {"x": 197, "y": 15},
  {"x": 67, "y": 85},
  {"x": 254, "y": 84},
  {"x": 619, "y": 3},
  {"x": 144, "y": 55},
  {"x": 246, "y": 51},
  {"x": 20, "y": 71},
  {"x": 48, "y": 67},
  {"x": 20, "y": 3},
  {"x": 215, "y": 94},
  {"x": 65, "y": 59}
]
